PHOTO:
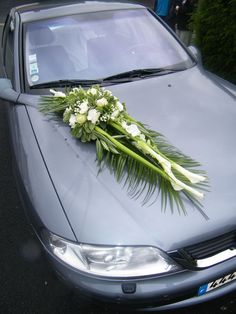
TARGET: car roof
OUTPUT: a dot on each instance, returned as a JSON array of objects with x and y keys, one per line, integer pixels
[{"x": 37, "y": 11}]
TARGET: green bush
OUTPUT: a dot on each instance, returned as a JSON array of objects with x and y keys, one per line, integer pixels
[{"x": 214, "y": 23}]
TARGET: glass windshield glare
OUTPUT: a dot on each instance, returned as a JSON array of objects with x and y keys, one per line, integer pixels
[{"x": 97, "y": 45}]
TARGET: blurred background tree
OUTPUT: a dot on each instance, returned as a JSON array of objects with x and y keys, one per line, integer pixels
[{"x": 214, "y": 23}]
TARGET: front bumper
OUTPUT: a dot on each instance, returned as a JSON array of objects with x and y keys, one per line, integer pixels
[{"x": 163, "y": 292}]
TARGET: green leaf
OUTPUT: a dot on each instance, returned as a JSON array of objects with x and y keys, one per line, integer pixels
[
  {"x": 105, "y": 146},
  {"x": 99, "y": 149}
]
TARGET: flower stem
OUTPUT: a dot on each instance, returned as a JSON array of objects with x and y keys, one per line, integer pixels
[
  {"x": 131, "y": 153},
  {"x": 117, "y": 127},
  {"x": 192, "y": 177},
  {"x": 166, "y": 164}
]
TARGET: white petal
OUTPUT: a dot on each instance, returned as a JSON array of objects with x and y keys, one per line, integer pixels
[
  {"x": 83, "y": 107},
  {"x": 72, "y": 121},
  {"x": 93, "y": 115},
  {"x": 119, "y": 106},
  {"x": 114, "y": 114},
  {"x": 193, "y": 177},
  {"x": 92, "y": 91},
  {"x": 56, "y": 93},
  {"x": 133, "y": 130},
  {"x": 102, "y": 102}
]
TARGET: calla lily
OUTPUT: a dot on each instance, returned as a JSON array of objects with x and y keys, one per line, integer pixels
[
  {"x": 133, "y": 130},
  {"x": 176, "y": 183},
  {"x": 193, "y": 177},
  {"x": 57, "y": 94},
  {"x": 179, "y": 185}
]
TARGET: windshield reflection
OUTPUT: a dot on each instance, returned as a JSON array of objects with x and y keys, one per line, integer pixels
[{"x": 96, "y": 45}]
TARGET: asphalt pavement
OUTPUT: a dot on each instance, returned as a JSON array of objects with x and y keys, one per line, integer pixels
[{"x": 27, "y": 283}]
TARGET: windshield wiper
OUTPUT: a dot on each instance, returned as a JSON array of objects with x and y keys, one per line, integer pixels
[
  {"x": 117, "y": 78},
  {"x": 142, "y": 73},
  {"x": 63, "y": 83}
]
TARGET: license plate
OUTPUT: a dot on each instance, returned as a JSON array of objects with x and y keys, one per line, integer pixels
[{"x": 216, "y": 284}]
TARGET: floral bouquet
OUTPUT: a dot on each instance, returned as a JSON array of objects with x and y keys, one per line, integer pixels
[{"x": 138, "y": 156}]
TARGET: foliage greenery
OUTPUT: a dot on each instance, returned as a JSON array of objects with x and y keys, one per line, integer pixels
[{"x": 214, "y": 23}]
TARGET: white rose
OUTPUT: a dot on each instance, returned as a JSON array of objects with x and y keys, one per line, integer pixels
[
  {"x": 108, "y": 92},
  {"x": 83, "y": 107},
  {"x": 119, "y": 106},
  {"x": 72, "y": 121},
  {"x": 92, "y": 91},
  {"x": 101, "y": 102},
  {"x": 93, "y": 115},
  {"x": 81, "y": 118},
  {"x": 57, "y": 94},
  {"x": 115, "y": 114}
]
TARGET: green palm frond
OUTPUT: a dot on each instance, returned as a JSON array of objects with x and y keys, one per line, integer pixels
[
  {"x": 166, "y": 148},
  {"x": 53, "y": 105},
  {"x": 139, "y": 179}
]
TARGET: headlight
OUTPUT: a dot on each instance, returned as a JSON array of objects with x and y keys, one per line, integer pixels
[{"x": 112, "y": 261}]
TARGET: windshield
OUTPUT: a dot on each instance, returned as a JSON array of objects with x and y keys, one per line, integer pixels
[{"x": 96, "y": 45}]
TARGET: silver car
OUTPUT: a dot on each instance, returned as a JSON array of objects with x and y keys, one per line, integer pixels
[{"x": 99, "y": 240}]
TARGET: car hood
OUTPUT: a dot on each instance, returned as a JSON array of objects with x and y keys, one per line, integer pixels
[{"x": 195, "y": 114}]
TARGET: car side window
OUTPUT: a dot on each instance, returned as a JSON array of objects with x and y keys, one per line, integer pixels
[{"x": 8, "y": 55}]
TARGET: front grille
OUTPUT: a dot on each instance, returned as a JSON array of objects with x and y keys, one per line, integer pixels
[{"x": 211, "y": 247}]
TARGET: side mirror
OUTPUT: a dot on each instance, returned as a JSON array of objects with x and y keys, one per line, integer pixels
[
  {"x": 196, "y": 53},
  {"x": 6, "y": 91}
]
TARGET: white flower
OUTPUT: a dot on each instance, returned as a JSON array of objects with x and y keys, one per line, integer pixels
[
  {"x": 101, "y": 102},
  {"x": 192, "y": 177},
  {"x": 68, "y": 110},
  {"x": 83, "y": 107},
  {"x": 133, "y": 130},
  {"x": 115, "y": 114},
  {"x": 108, "y": 92},
  {"x": 72, "y": 121},
  {"x": 57, "y": 94},
  {"x": 93, "y": 115},
  {"x": 176, "y": 183},
  {"x": 75, "y": 89},
  {"x": 104, "y": 118},
  {"x": 124, "y": 125},
  {"x": 142, "y": 137},
  {"x": 164, "y": 162},
  {"x": 179, "y": 185},
  {"x": 92, "y": 91},
  {"x": 81, "y": 118},
  {"x": 119, "y": 106}
]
